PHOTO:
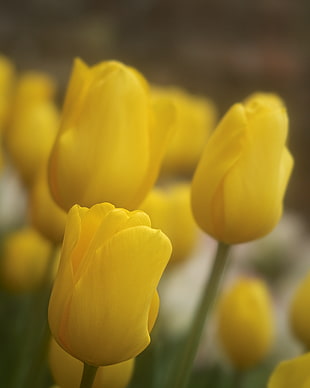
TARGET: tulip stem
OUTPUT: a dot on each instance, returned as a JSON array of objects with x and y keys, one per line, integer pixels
[
  {"x": 182, "y": 369},
  {"x": 89, "y": 374}
]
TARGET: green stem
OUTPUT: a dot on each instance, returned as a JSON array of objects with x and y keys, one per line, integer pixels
[
  {"x": 89, "y": 374},
  {"x": 181, "y": 371}
]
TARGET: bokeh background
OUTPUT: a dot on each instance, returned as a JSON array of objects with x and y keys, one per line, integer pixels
[{"x": 223, "y": 49}]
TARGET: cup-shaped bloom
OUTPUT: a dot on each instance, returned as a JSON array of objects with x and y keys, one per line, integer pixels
[
  {"x": 299, "y": 312},
  {"x": 111, "y": 139},
  {"x": 25, "y": 259},
  {"x": 169, "y": 210},
  {"x": 46, "y": 216},
  {"x": 291, "y": 373},
  {"x": 194, "y": 119},
  {"x": 246, "y": 322},
  {"x": 240, "y": 181},
  {"x": 104, "y": 300},
  {"x": 32, "y": 125},
  {"x": 67, "y": 370},
  {"x": 7, "y": 76}
]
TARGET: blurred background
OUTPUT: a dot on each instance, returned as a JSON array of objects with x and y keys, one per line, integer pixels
[{"x": 223, "y": 49}]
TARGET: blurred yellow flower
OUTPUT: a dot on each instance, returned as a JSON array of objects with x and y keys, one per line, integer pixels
[
  {"x": 292, "y": 373},
  {"x": 246, "y": 322},
  {"x": 67, "y": 370},
  {"x": 169, "y": 210},
  {"x": 46, "y": 216},
  {"x": 240, "y": 181},
  {"x": 300, "y": 312},
  {"x": 111, "y": 140},
  {"x": 104, "y": 300},
  {"x": 24, "y": 260},
  {"x": 32, "y": 125},
  {"x": 194, "y": 119},
  {"x": 7, "y": 77}
]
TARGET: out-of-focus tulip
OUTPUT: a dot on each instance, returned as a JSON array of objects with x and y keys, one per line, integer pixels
[
  {"x": 25, "y": 260},
  {"x": 170, "y": 211},
  {"x": 194, "y": 119},
  {"x": 246, "y": 322},
  {"x": 32, "y": 126},
  {"x": 7, "y": 76},
  {"x": 67, "y": 370},
  {"x": 104, "y": 300},
  {"x": 46, "y": 216},
  {"x": 291, "y": 373},
  {"x": 111, "y": 140},
  {"x": 300, "y": 312},
  {"x": 240, "y": 181}
]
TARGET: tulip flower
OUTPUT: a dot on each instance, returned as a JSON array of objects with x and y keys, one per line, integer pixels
[
  {"x": 291, "y": 373},
  {"x": 246, "y": 322},
  {"x": 299, "y": 312},
  {"x": 104, "y": 300},
  {"x": 240, "y": 181},
  {"x": 169, "y": 210},
  {"x": 32, "y": 125},
  {"x": 194, "y": 119},
  {"x": 46, "y": 216},
  {"x": 67, "y": 370},
  {"x": 25, "y": 260},
  {"x": 7, "y": 75},
  {"x": 111, "y": 139}
]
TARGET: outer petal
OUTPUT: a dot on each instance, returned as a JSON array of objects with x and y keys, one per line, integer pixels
[
  {"x": 221, "y": 153},
  {"x": 67, "y": 370},
  {"x": 292, "y": 373},
  {"x": 130, "y": 265}
]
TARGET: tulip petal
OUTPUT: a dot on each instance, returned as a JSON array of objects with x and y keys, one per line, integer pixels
[
  {"x": 113, "y": 314},
  {"x": 291, "y": 373}
]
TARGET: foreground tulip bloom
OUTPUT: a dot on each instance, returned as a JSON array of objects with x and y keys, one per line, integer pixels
[
  {"x": 169, "y": 210},
  {"x": 300, "y": 313},
  {"x": 246, "y": 322},
  {"x": 67, "y": 370},
  {"x": 104, "y": 300},
  {"x": 291, "y": 373},
  {"x": 111, "y": 139},
  {"x": 194, "y": 119},
  {"x": 240, "y": 182}
]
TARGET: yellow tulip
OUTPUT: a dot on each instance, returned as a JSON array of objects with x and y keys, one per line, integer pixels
[
  {"x": 67, "y": 370},
  {"x": 246, "y": 322},
  {"x": 291, "y": 373},
  {"x": 300, "y": 313},
  {"x": 46, "y": 216},
  {"x": 240, "y": 181},
  {"x": 104, "y": 300},
  {"x": 33, "y": 125},
  {"x": 111, "y": 139},
  {"x": 169, "y": 210},
  {"x": 25, "y": 260},
  {"x": 194, "y": 119},
  {"x": 7, "y": 76}
]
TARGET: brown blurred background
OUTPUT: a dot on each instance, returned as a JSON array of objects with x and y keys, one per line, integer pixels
[{"x": 224, "y": 49}]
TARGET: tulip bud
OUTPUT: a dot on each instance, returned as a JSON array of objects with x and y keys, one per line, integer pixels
[
  {"x": 300, "y": 314},
  {"x": 170, "y": 211},
  {"x": 111, "y": 139},
  {"x": 194, "y": 119},
  {"x": 240, "y": 181},
  {"x": 32, "y": 127},
  {"x": 7, "y": 75},
  {"x": 25, "y": 260},
  {"x": 246, "y": 322},
  {"x": 291, "y": 373},
  {"x": 46, "y": 216},
  {"x": 104, "y": 300},
  {"x": 67, "y": 370}
]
